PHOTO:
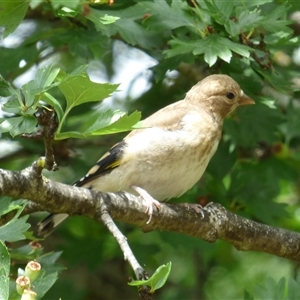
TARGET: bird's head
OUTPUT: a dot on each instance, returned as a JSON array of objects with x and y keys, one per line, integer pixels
[{"x": 218, "y": 95}]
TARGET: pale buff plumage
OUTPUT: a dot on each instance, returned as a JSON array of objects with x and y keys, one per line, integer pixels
[{"x": 171, "y": 153}]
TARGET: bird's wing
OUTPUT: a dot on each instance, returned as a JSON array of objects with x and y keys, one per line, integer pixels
[
  {"x": 106, "y": 163},
  {"x": 169, "y": 117}
]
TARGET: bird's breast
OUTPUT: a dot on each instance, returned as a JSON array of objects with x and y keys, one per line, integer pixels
[{"x": 169, "y": 163}]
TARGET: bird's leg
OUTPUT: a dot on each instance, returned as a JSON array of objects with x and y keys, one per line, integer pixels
[{"x": 148, "y": 199}]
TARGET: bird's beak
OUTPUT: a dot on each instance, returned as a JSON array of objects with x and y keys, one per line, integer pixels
[{"x": 246, "y": 100}]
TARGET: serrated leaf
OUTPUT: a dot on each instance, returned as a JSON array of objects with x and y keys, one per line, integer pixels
[
  {"x": 260, "y": 120},
  {"x": 26, "y": 252},
  {"x": 271, "y": 20},
  {"x": 12, "y": 106},
  {"x": 4, "y": 205},
  {"x": 11, "y": 14},
  {"x": 113, "y": 122},
  {"x": 4, "y": 271},
  {"x": 293, "y": 291},
  {"x": 219, "y": 10},
  {"x": 108, "y": 19},
  {"x": 42, "y": 82},
  {"x": 7, "y": 205},
  {"x": 67, "y": 12},
  {"x": 290, "y": 128},
  {"x": 100, "y": 19},
  {"x": 48, "y": 262},
  {"x": 14, "y": 229},
  {"x": 5, "y": 88},
  {"x": 43, "y": 283},
  {"x": 18, "y": 125},
  {"x": 270, "y": 289},
  {"x": 246, "y": 21},
  {"x": 80, "y": 89},
  {"x": 212, "y": 47},
  {"x": 157, "y": 280},
  {"x": 49, "y": 258},
  {"x": 168, "y": 17},
  {"x": 127, "y": 26},
  {"x": 106, "y": 123}
]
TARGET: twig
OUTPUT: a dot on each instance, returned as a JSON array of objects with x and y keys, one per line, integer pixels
[
  {"x": 265, "y": 61},
  {"x": 47, "y": 120},
  {"x": 140, "y": 273}
]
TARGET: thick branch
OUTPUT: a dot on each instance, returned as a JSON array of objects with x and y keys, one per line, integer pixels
[{"x": 217, "y": 223}]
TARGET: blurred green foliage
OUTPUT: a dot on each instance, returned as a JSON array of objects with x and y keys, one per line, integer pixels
[{"x": 255, "y": 172}]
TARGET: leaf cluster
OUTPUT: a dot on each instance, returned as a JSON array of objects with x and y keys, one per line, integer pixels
[{"x": 13, "y": 257}]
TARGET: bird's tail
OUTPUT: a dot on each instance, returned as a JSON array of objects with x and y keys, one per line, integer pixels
[{"x": 49, "y": 224}]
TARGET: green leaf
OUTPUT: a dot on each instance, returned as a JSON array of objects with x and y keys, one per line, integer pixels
[
  {"x": 42, "y": 82},
  {"x": 246, "y": 21},
  {"x": 100, "y": 19},
  {"x": 212, "y": 47},
  {"x": 128, "y": 26},
  {"x": 108, "y": 19},
  {"x": 270, "y": 289},
  {"x": 49, "y": 258},
  {"x": 67, "y": 12},
  {"x": 80, "y": 89},
  {"x": 293, "y": 291},
  {"x": 7, "y": 205},
  {"x": 14, "y": 229},
  {"x": 106, "y": 123},
  {"x": 220, "y": 10},
  {"x": 167, "y": 17},
  {"x": 13, "y": 106},
  {"x": 113, "y": 122},
  {"x": 11, "y": 14},
  {"x": 220, "y": 167},
  {"x": 260, "y": 120},
  {"x": 48, "y": 262},
  {"x": 271, "y": 23},
  {"x": 18, "y": 125},
  {"x": 43, "y": 283},
  {"x": 4, "y": 271},
  {"x": 157, "y": 280},
  {"x": 4, "y": 205},
  {"x": 26, "y": 252},
  {"x": 5, "y": 88},
  {"x": 290, "y": 128}
]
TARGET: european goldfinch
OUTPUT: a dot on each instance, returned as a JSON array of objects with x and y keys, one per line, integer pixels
[{"x": 170, "y": 154}]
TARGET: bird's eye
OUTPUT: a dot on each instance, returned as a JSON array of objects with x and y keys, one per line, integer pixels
[{"x": 230, "y": 95}]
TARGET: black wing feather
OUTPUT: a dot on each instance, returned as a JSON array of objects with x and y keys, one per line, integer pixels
[{"x": 107, "y": 163}]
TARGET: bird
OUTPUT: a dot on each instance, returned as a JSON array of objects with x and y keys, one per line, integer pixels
[{"x": 170, "y": 153}]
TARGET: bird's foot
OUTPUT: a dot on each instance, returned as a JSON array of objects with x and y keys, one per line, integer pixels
[{"x": 149, "y": 201}]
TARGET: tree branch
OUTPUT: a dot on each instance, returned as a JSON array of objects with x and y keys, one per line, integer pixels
[{"x": 217, "y": 223}]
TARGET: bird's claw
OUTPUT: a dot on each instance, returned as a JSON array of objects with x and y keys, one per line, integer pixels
[{"x": 149, "y": 201}]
